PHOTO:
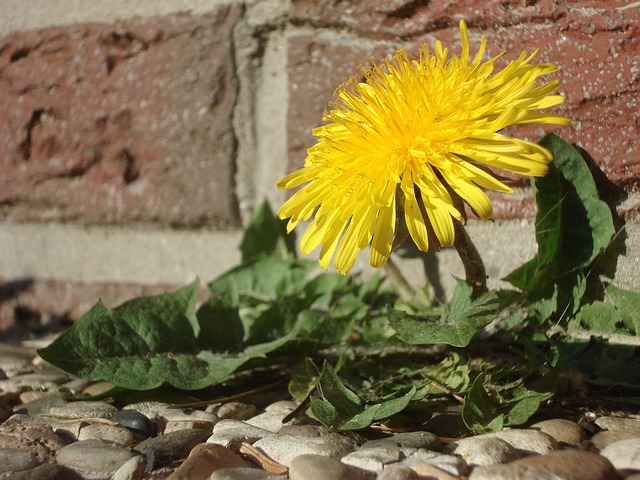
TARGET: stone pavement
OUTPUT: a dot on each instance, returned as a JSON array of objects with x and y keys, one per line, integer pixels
[{"x": 43, "y": 436}]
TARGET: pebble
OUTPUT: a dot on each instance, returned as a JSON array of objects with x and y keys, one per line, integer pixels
[
  {"x": 624, "y": 455},
  {"x": 13, "y": 460},
  {"x": 572, "y": 465},
  {"x": 48, "y": 471},
  {"x": 82, "y": 410},
  {"x": 164, "y": 449},
  {"x": 449, "y": 463},
  {"x": 615, "y": 429},
  {"x": 105, "y": 459},
  {"x": 232, "y": 433},
  {"x": 562, "y": 431},
  {"x": 483, "y": 450},
  {"x": 107, "y": 433},
  {"x": 527, "y": 442},
  {"x": 512, "y": 471},
  {"x": 234, "y": 410},
  {"x": 425, "y": 470},
  {"x": 49, "y": 380},
  {"x": 204, "y": 459},
  {"x": 407, "y": 440},
  {"x": 139, "y": 425},
  {"x": 245, "y": 474},
  {"x": 320, "y": 467},
  {"x": 373, "y": 460},
  {"x": 284, "y": 448},
  {"x": 175, "y": 425},
  {"x": 40, "y": 440},
  {"x": 617, "y": 423},
  {"x": 132, "y": 469},
  {"x": 41, "y": 405},
  {"x": 272, "y": 420},
  {"x": 397, "y": 472}
]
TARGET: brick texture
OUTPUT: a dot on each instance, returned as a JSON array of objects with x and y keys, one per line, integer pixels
[
  {"x": 596, "y": 44},
  {"x": 120, "y": 123}
]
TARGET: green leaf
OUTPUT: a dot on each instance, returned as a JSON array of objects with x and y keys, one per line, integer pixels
[
  {"x": 573, "y": 226},
  {"x": 266, "y": 234},
  {"x": 467, "y": 316},
  {"x": 304, "y": 379},
  {"x": 627, "y": 303},
  {"x": 263, "y": 279},
  {"x": 479, "y": 412},
  {"x": 221, "y": 328},
  {"x": 148, "y": 342}
]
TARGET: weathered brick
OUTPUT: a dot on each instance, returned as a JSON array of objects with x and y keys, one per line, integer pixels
[
  {"x": 596, "y": 44},
  {"x": 122, "y": 122}
]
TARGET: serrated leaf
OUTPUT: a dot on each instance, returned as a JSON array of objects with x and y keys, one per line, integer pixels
[
  {"x": 148, "y": 342},
  {"x": 263, "y": 279},
  {"x": 221, "y": 328},
  {"x": 266, "y": 234},
  {"x": 573, "y": 226},
  {"x": 466, "y": 317}
]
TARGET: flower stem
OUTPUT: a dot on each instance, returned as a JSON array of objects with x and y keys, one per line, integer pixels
[{"x": 473, "y": 266}]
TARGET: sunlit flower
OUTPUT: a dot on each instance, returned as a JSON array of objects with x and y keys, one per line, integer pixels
[{"x": 402, "y": 147}]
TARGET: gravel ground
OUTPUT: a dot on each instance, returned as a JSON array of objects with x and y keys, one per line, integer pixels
[{"x": 44, "y": 436}]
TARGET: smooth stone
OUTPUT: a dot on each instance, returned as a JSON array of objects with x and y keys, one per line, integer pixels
[
  {"x": 304, "y": 430},
  {"x": 234, "y": 410},
  {"x": 527, "y": 442},
  {"x": 97, "y": 388},
  {"x": 13, "y": 365},
  {"x": 137, "y": 423},
  {"x": 449, "y": 463},
  {"x": 83, "y": 409},
  {"x": 93, "y": 459},
  {"x": 205, "y": 459},
  {"x": 272, "y": 420},
  {"x": 177, "y": 415},
  {"x": 624, "y": 455},
  {"x": 617, "y": 423},
  {"x": 280, "y": 405},
  {"x": 563, "y": 431},
  {"x": 107, "y": 433},
  {"x": 320, "y": 467},
  {"x": 483, "y": 450},
  {"x": 407, "y": 440},
  {"x": 47, "y": 380},
  {"x": 41, "y": 405},
  {"x": 31, "y": 395},
  {"x": 244, "y": 474},
  {"x": 76, "y": 385},
  {"x": 373, "y": 460},
  {"x": 132, "y": 469},
  {"x": 176, "y": 425},
  {"x": 40, "y": 440},
  {"x": 148, "y": 409},
  {"x": 284, "y": 448},
  {"x": 164, "y": 449},
  {"x": 232, "y": 433},
  {"x": 13, "y": 460},
  {"x": 511, "y": 471},
  {"x": 602, "y": 440},
  {"x": 572, "y": 465},
  {"x": 397, "y": 472},
  {"x": 48, "y": 471},
  {"x": 424, "y": 470}
]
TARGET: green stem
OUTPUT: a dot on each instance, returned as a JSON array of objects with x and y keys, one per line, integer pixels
[{"x": 473, "y": 266}]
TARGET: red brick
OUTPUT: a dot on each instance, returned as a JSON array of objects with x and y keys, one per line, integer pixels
[
  {"x": 595, "y": 43},
  {"x": 119, "y": 123}
]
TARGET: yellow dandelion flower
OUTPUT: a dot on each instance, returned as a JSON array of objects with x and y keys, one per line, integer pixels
[{"x": 410, "y": 141}]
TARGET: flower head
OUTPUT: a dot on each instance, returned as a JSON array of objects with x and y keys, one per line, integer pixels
[{"x": 404, "y": 146}]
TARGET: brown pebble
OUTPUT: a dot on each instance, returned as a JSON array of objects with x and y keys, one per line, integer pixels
[
  {"x": 48, "y": 471},
  {"x": 205, "y": 459},
  {"x": 573, "y": 465}
]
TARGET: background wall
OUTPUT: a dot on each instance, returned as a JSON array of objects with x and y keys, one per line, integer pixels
[{"x": 136, "y": 138}]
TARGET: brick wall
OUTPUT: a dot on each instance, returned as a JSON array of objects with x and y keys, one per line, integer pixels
[{"x": 144, "y": 135}]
